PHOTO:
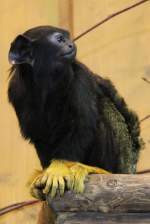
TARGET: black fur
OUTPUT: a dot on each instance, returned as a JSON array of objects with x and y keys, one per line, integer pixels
[{"x": 60, "y": 108}]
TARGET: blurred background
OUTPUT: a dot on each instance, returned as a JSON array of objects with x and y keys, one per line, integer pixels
[{"x": 119, "y": 50}]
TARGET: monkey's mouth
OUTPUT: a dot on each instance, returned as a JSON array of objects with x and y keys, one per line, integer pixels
[{"x": 69, "y": 54}]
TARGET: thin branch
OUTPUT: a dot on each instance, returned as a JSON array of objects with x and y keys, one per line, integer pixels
[
  {"x": 145, "y": 118},
  {"x": 16, "y": 206},
  {"x": 109, "y": 18},
  {"x": 146, "y": 80},
  {"x": 144, "y": 171}
]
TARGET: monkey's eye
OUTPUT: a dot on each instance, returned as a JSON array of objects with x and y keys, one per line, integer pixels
[{"x": 60, "y": 38}]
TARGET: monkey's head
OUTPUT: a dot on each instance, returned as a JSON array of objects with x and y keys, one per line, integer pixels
[{"x": 43, "y": 46}]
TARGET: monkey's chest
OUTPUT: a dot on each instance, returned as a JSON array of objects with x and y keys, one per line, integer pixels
[{"x": 46, "y": 126}]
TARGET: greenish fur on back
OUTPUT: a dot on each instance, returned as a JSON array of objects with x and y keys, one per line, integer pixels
[{"x": 122, "y": 137}]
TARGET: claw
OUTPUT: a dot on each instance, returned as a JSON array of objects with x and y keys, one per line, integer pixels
[
  {"x": 44, "y": 179},
  {"x": 61, "y": 186},
  {"x": 54, "y": 187},
  {"x": 48, "y": 185}
]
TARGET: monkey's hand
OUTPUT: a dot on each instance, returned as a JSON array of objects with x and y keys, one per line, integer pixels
[
  {"x": 53, "y": 180},
  {"x": 62, "y": 174},
  {"x": 79, "y": 172}
]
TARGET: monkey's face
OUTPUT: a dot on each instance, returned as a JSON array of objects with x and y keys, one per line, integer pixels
[{"x": 43, "y": 45}]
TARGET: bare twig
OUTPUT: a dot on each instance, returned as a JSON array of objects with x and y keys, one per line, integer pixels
[
  {"x": 146, "y": 80},
  {"x": 145, "y": 118},
  {"x": 143, "y": 171},
  {"x": 109, "y": 18},
  {"x": 17, "y": 206}
]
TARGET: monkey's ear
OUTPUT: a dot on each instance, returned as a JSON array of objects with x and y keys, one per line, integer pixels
[{"x": 21, "y": 51}]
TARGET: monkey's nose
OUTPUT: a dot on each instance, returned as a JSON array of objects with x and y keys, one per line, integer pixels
[{"x": 70, "y": 45}]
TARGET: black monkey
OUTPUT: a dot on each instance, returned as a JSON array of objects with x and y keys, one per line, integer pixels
[{"x": 75, "y": 119}]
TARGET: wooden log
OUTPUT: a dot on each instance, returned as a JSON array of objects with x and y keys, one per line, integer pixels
[
  {"x": 125, "y": 199},
  {"x": 108, "y": 194}
]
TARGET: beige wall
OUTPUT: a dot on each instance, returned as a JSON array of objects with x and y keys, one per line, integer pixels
[{"x": 118, "y": 49}]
